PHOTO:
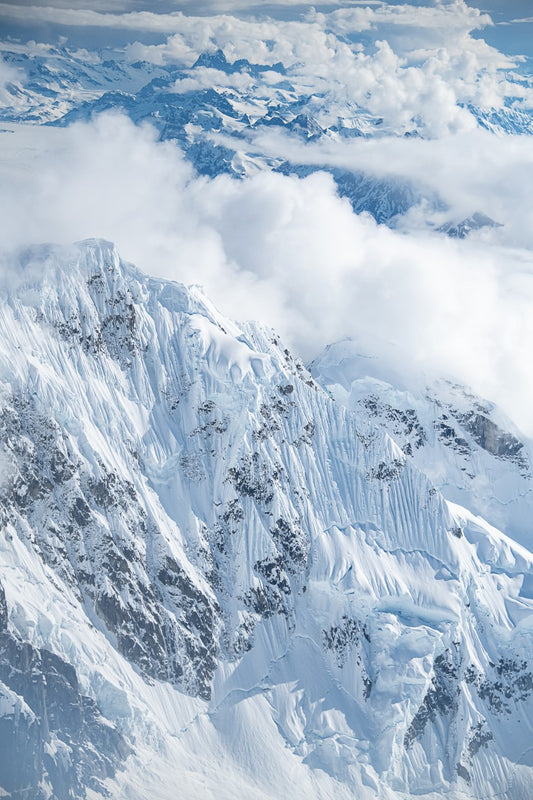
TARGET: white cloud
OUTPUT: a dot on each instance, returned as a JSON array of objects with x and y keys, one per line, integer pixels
[
  {"x": 359, "y": 16},
  {"x": 386, "y": 86},
  {"x": 287, "y": 251},
  {"x": 84, "y": 17},
  {"x": 146, "y": 21},
  {"x": 263, "y": 42},
  {"x": 130, "y": 14},
  {"x": 472, "y": 171},
  {"x": 433, "y": 23},
  {"x": 434, "y": 69},
  {"x": 205, "y": 78}
]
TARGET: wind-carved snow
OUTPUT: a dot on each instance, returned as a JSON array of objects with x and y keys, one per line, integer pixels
[
  {"x": 231, "y": 354},
  {"x": 465, "y": 445},
  {"x": 254, "y": 585}
]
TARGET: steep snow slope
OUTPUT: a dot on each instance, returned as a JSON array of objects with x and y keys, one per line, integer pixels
[
  {"x": 235, "y": 585},
  {"x": 465, "y": 445}
]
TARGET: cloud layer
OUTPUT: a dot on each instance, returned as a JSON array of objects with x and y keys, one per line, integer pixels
[
  {"x": 286, "y": 251},
  {"x": 412, "y": 62}
]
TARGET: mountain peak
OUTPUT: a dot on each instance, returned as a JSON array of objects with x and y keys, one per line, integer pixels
[
  {"x": 206, "y": 539},
  {"x": 213, "y": 60}
]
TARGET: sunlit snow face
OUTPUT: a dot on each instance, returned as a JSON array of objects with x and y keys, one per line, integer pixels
[{"x": 290, "y": 251}]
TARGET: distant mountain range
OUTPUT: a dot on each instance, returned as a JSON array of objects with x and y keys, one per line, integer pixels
[{"x": 216, "y": 123}]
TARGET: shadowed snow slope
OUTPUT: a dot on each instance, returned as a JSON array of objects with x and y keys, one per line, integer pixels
[{"x": 216, "y": 577}]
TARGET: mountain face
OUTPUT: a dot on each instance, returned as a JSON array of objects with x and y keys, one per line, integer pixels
[
  {"x": 461, "y": 229},
  {"x": 215, "y": 576},
  {"x": 463, "y": 443}
]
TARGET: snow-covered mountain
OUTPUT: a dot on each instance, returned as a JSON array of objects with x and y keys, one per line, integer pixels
[
  {"x": 463, "y": 443},
  {"x": 221, "y": 579},
  {"x": 216, "y": 111},
  {"x": 49, "y": 82}
]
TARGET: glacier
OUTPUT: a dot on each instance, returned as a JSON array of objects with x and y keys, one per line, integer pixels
[{"x": 224, "y": 575}]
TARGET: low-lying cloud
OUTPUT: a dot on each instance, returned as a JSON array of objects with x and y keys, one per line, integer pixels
[
  {"x": 472, "y": 171},
  {"x": 286, "y": 251}
]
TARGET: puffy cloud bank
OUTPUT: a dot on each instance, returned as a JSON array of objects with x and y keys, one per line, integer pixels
[
  {"x": 403, "y": 62},
  {"x": 400, "y": 61},
  {"x": 289, "y": 251}
]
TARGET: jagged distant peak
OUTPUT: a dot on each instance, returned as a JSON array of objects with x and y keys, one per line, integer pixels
[
  {"x": 214, "y": 59},
  {"x": 462, "y": 228}
]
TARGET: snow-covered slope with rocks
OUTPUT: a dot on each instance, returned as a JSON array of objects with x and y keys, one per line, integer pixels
[
  {"x": 465, "y": 445},
  {"x": 224, "y": 580}
]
